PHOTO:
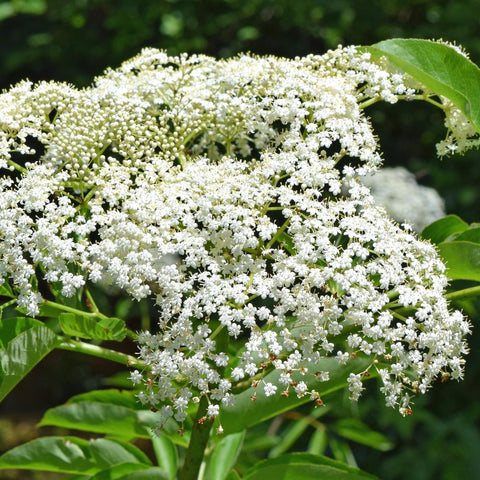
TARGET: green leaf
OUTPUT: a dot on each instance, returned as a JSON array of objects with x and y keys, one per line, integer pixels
[
  {"x": 100, "y": 418},
  {"x": 72, "y": 455},
  {"x": 131, "y": 472},
  {"x": 259, "y": 441},
  {"x": 124, "y": 398},
  {"x": 443, "y": 228},
  {"x": 108, "y": 452},
  {"x": 23, "y": 353},
  {"x": 294, "y": 432},
  {"x": 462, "y": 259},
  {"x": 170, "y": 427},
  {"x": 318, "y": 441},
  {"x": 244, "y": 412},
  {"x": 166, "y": 454},
  {"x": 12, "y": 327},
  {"x": 304, "y": 466},
  {"x": 119, "y": 380},
  {"x": 225, "y": 456},
  {"x": 342, "y": 451},
  {"x": 6, "y": 290},
  {"x": 439, "y": 67},
  {"x": 91, "y": 327},
  {"x": 233, "y": 475},
  {"x": 153, "y": 473},
  {"x": 470, "y": 235},
  {"x": 354, "y": 429},
  {"x": 53, "y": 454},
  {"x": 117, "y": 472},
  {"x": 104, "y": 418}
]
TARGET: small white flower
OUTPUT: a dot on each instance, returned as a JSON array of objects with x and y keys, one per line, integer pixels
[
  {"x": 136, "y": 377},
  {"x": 269, "y": 389},
  {"x": 213, "y": 410}
]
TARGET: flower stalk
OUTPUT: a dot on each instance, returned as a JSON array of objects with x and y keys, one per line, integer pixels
[{"x": 198, "y": 443}]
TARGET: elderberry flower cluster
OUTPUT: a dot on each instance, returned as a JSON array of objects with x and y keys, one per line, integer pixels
[
  {"x": 397, "y": 190},
  {"x": 228, "y": 191}
]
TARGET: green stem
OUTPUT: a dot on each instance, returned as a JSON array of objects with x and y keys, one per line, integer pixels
[
  {"x": 76, "y": 311},
  {"x": 398, "y": 316},
  {"x": 101, "y": 352},
  {"x": 278, "y": 234},
  {"x": 93, "y": 305},
  {"x": 198, "y": 442},
  {"x": 16, "y": 166},
  {"x": 7, "y": 304},
  {"x": 463, "y": 294},
  {"x": 424, "y": 97},
  {"x": 144, "y": 315},
  {"x": 216, "y": 332}
]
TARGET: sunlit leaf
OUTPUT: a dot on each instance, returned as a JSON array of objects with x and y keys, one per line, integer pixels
[
  {"x": 462, "y": 259},
  {"x": 225, "y": 455},
  {"x": 22, "y": 353},
  {"x": 12, "y": 327},
  {"x": 166, "y": 454},
  {"x": 54, "y": 454},
  {"x": 245, "y": 412},
  {"x": 92, "y": 328},
  {"x": 443, "y": 228},
  {"x": 100, "y": 418},
  {"x": 440, "y": 67}
]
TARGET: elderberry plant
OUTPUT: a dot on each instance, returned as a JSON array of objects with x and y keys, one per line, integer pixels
[
  {"x": 229, "y": 192},
  {"x": 235, "y": 196}
]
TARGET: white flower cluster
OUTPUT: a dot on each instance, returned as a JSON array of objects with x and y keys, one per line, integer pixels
[
  {"x": 218, "y": 188},
  {"x": 397, "y": 190}
]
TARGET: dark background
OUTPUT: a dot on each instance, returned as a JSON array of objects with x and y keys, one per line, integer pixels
[{"x": 76, "y": 40}]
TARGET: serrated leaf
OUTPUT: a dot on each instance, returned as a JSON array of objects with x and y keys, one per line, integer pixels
[
  {"x": 244, "y": 412},
  {"x": 443, "y": 228},
  {"x": 92, "y": 327},
  {"x": 304, "y": 466},
  {"x": 439, "y": 67},
  {"x": 53, "y": 454},
  {"x": 354, "y": 429},
  {"x": 462, "y": 259},
  {"x": 23, "y": 353},
  {"x": 225, "y": 456}
]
